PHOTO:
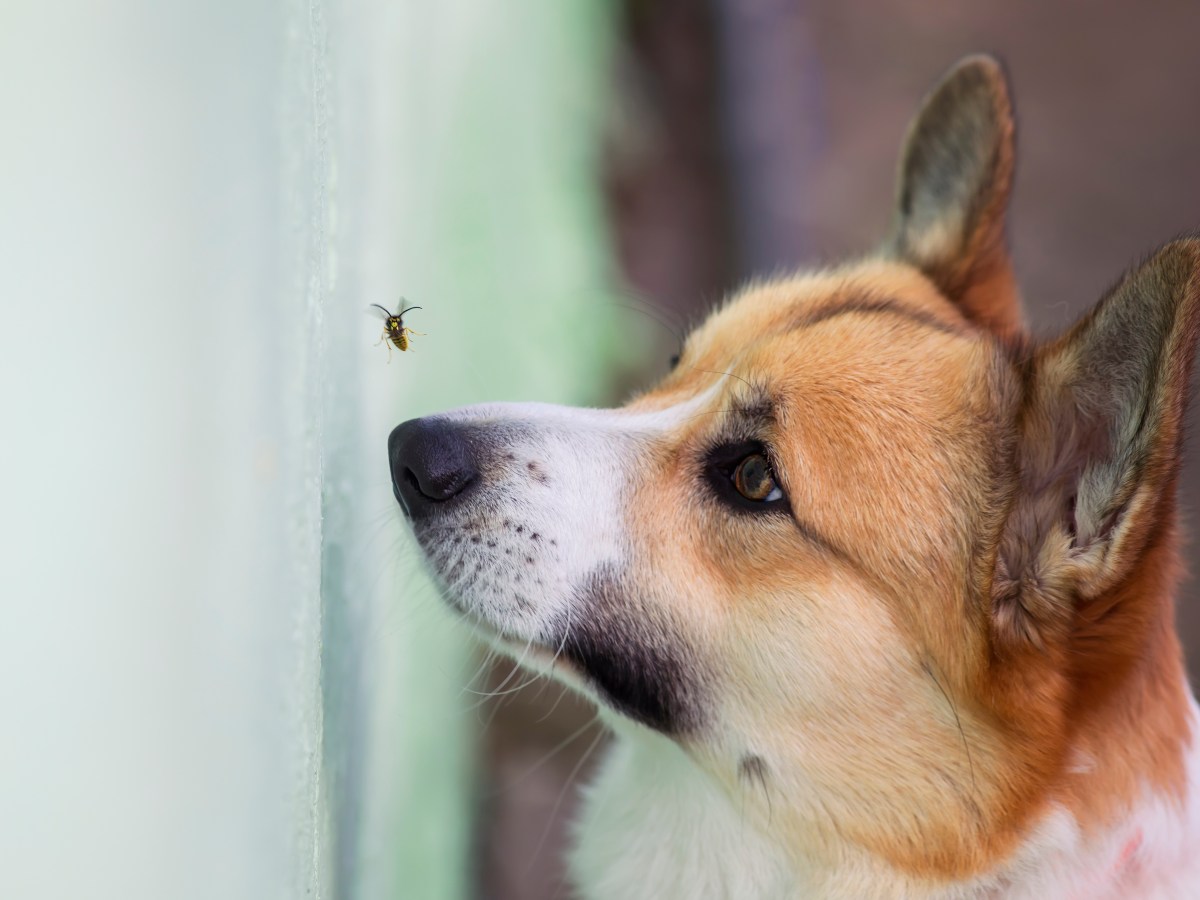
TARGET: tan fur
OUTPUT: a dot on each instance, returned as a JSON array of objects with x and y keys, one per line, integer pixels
[
  {"x": 872, "y": 413},
  {"x": 954, "y": 629},
  {"x": 906, "y": 447}
]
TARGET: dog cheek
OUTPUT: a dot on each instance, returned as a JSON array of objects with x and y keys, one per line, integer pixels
[{"x": 636, "y": 660}]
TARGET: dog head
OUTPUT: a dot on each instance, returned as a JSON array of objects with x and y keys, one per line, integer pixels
[{"x": 868, "y": 545}]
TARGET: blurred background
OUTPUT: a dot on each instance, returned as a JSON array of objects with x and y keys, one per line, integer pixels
[{"x": 223, "y": 671}]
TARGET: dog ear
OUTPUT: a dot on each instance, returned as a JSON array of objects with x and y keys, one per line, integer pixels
[
  {"x": 952, "y": 192},
  {"x": 1097, "y": 460}
]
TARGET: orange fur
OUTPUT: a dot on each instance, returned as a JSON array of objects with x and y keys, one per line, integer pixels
[
  {"x": 951, "y": 628},
  {"x": 906, "y": 436}
]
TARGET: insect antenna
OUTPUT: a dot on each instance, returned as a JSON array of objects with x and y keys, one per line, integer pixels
[
  {"x": 380, "y": 308},
  {"x": 403, "y": 311}
]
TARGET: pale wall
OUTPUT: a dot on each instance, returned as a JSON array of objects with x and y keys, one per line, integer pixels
[{"x": 221, "y": 672}]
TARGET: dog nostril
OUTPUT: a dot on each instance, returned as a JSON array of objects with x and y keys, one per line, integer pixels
[
  {"x": 412, "y": 480},
  {"x": 432, "y": 461},
  {"x": 442, "y": 486}
]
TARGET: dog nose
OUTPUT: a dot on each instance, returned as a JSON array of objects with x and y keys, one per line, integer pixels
[{"x": 432, "y": 462}]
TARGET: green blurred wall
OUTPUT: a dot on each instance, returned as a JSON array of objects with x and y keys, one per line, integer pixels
[
  {"x": 238, "y": 683},
  {"x": 500, "y": 236}
]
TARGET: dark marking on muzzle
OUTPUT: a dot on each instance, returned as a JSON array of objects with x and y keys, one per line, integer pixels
[{"x": 638, "y": 664}]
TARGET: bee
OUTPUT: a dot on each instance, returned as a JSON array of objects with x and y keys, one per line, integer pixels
[{"x": 395, "y": 332}]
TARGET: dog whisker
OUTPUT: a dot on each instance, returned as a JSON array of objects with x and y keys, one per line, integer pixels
[
  {"x": 547, "y": 756},
  {"x": 927, "y": 665},
  {"x": 567, "y": 785},
  {"x": 726, "y": 374}
]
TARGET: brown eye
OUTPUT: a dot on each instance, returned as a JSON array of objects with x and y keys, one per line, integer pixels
[{"x": 754, "y": 481}]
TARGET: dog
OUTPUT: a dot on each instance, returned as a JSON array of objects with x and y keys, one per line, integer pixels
[{"x": 874, "y": 590}]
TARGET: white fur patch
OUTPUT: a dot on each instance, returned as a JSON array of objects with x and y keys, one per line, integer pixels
[
  {"x": 656, "y": 826},
  {"x": 551, "y": 513}
]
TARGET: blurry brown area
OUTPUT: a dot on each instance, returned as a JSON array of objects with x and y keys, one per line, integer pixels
[
  {"x": 540, "y": 740},
  {"x": 753, "y": 136}
]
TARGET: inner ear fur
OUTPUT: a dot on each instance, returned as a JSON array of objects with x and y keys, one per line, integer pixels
[
  {"x": 952, "y": 191},
  {"x": 1097, "y": 462}
]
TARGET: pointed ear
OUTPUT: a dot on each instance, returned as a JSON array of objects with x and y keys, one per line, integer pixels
[
  {"x": 952, "y": 192},
  {"x": 1099, "y": 452}
]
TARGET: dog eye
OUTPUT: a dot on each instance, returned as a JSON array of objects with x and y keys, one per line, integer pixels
[{"x": 754, "y": 480}]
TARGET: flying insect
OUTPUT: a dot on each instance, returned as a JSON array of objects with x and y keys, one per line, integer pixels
[{"x": 395, "y": 332}]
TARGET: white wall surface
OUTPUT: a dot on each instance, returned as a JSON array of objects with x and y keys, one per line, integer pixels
[
  {"x": 164, "y": 267},
  {"x": 222, "y": 672}
]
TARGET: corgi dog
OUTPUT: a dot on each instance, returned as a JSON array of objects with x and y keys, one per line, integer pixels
[{"x": 874, "y": 589}]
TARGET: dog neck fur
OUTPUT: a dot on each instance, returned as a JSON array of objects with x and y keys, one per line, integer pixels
[{"x": 655, "y": 826}]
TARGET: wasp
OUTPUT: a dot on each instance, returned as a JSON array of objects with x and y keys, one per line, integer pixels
[{"x": 395, "y": 332}]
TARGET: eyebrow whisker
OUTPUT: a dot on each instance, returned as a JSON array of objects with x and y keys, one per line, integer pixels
[{"x": 729, "y": 374}]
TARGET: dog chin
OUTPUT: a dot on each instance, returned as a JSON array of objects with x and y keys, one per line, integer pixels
[
  {"x": 541, "y": 658},
  {"x": 594, "y": 631}
]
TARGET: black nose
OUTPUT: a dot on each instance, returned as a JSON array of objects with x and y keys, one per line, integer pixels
[{"x": 432, "y": 462}]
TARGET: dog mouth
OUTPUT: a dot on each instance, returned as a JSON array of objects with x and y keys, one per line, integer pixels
[
  {"x": 543, "y": 657},
  {"x": 498, "y": 571},
  {"x": 490, "y": 506},
  {"x": 601, "y": 641}
]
